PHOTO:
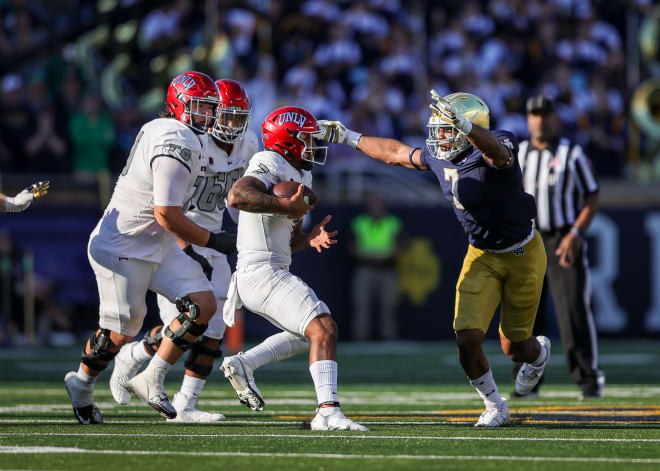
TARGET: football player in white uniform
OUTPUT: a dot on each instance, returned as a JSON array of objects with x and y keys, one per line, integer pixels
[
  {"x": 269, "y": 229},
  {"x": 130, "y": 248},
  {"x": 228, "y": 149}
]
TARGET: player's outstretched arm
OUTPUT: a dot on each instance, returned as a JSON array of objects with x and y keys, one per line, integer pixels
[
  {"x": 21, "y": 201},
  {"x": 249, "y": 194},
  {"x": 390, "y": 151}
]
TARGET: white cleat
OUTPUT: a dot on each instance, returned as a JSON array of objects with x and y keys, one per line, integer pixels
[
  {"x": 241, "y": 378},
  {"x": 335, "y": 421},
  {"x": 187, "y": 412},
  {"x": 148, "y": 386},
  {"x": 529, "y": 375},
  {"x": 125, "y": 368},
  {"x": 495, "y": 417},
  {"x": 82, "y": 400}
]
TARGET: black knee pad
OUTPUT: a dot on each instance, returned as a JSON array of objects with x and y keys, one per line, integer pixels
[
  {"x": 187, "y": 327},
  {"x": 152, "y": 342},
  {"x": 184, "y": 305},
  {"x": 198, "y": 349},
  {"x": 99, "y": 356}
]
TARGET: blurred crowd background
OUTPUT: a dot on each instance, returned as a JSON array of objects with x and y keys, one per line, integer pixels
[{"x": 78, "y": 78}]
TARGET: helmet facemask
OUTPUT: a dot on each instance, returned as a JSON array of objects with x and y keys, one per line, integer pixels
[
  {"x": 444, "y": 148},
  {"x": 198, "y": 120},
  {"x": 312, "y": 152},
  {"x": 231, "y": 124}
]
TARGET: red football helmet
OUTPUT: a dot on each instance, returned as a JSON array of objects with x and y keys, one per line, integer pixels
[
  {"x": 184, "y": 96},
  {"x": 233, "y": 114},
  {"x": 290, "y": 131}
]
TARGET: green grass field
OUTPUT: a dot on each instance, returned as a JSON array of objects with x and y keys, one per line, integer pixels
[{"x": 413, "y": 397}]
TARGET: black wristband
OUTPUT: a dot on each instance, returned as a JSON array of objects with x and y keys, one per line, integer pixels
[
  {"x": 223, "y": 241},
  {"x": 410, "y": 157},
  {"x": 189, "y": 250}
]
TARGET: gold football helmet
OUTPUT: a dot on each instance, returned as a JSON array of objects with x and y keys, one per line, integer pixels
[{"x": 471, "y": 107}]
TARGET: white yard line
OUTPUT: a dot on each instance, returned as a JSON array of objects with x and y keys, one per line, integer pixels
[
  {"x": 323, "y": 436},
  {"x": 161, "y": 422},
  {"x": 47, "y": 450},
  {"x": 296, "y": 396}
]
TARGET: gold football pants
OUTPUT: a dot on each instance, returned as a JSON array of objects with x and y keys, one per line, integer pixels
[{"x": 513, "y": 279}]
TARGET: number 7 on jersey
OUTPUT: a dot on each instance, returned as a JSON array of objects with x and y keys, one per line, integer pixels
[{"x": 451, "y": 175}]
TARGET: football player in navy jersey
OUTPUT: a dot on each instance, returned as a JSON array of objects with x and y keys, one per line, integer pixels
[{"x": 505, "y": 262}]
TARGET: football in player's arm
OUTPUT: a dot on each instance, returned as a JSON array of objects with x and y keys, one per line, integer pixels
[
  {"x": 249, "y": 194},
  {"x": 227, "y": 149},
  {"x": 21, "y": 201},
  {"x": 505, "y": 263},
  {"x": 269, "y": 230}
]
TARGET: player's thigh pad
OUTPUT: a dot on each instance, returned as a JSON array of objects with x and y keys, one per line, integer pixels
[
  {"x": 282, "y": 298},
  {"x": 522, "y": 290},
  {"x": 478, "y": 291},
  {"x": 122, "y": 284},
  {"x": 179, "y": 275}
]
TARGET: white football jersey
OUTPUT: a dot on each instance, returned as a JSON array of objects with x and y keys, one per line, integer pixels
[
  {"x": 207, "y": 205},
  {"x": 266, "y": 238},
  {"x": 128, "y": 227}
]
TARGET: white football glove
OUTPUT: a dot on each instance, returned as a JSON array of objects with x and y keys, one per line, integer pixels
[
  {"x": 21, "y": 201},
  {"x": 449, "y": 115},
  {"x": 337, "y": 133}
]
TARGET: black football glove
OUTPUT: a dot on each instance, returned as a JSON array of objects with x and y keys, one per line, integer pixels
[
  {"x": 206, "y": 266},
  {"x": 223, "y": 241}
]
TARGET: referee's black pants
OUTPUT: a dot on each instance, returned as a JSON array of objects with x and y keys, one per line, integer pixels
[{"x": 570, "y": 296}]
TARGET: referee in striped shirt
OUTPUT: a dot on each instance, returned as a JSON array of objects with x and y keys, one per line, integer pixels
[{"x": 558, "y": 174}]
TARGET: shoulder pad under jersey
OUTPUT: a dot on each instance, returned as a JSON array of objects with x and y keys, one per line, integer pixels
[
  {"x": 175, "y": 140},
  {"x": 270, "y": 165}
]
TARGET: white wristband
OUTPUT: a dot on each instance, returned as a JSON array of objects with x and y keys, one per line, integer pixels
[
  {"x": 10, "y": 207},
  {"x": 352, "y": 138}
]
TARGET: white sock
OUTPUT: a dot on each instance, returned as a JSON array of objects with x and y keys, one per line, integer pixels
[
  {"x": 275, "y": 348},
  {"x": 158, "y": 362},
  {"x": 84, "y": 377},
  {"x": 542, "y": 356},
  {"x": 324, "y": 374},
  {"x": 192, "y": 386},
  {"x": 139, "y": 353},
  {"x": 487, "y": 389}
]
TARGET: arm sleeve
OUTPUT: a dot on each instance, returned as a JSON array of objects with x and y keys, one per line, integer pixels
[{"x": 171, "y": 180}]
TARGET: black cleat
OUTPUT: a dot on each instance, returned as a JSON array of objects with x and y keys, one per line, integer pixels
[
  {"x": 88, "y": 415},
  {"x": 80, "y": 393}
]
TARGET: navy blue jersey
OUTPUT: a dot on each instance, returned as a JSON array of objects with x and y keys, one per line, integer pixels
[{"x": 491, "y": 204}]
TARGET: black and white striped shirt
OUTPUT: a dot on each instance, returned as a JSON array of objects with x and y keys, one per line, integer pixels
[{"x": 559, "y": 177}]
